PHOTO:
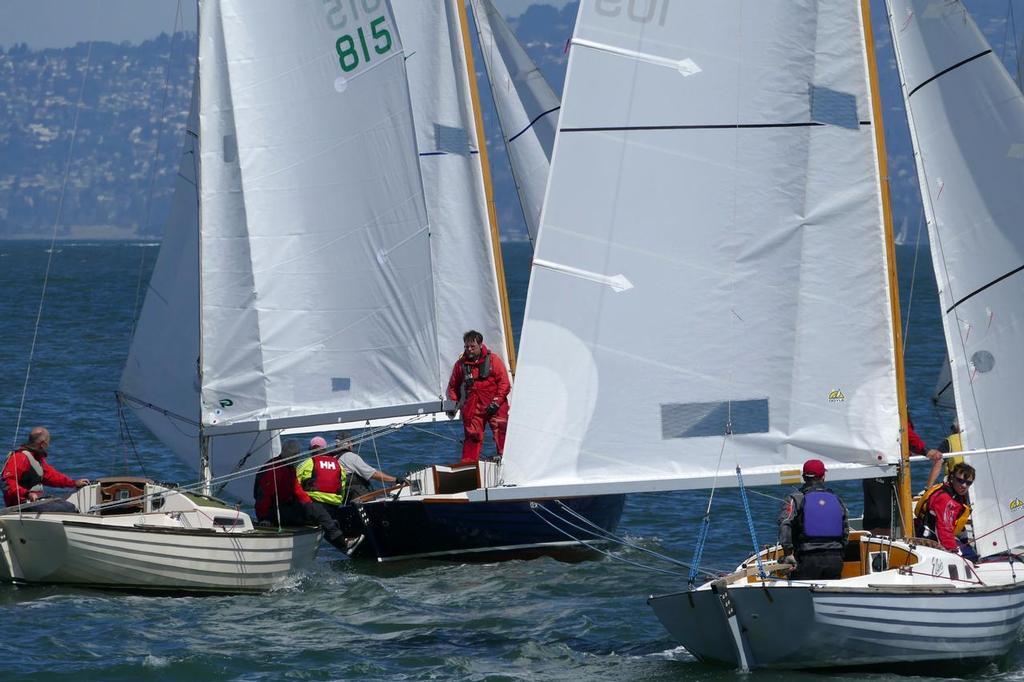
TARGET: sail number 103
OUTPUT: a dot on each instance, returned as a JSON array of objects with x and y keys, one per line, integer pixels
[{"x": 355, "y": 50}]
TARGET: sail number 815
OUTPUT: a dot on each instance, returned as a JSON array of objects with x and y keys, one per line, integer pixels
[{"x": 350, "y": 49}]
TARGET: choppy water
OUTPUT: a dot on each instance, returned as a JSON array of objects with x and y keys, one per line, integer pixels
[{"x": 345, "y": 620}]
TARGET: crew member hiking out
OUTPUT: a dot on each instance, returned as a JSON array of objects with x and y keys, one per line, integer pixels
[
  {"x": 814, "y": 527},
  {"x": 479, "y": 382}
]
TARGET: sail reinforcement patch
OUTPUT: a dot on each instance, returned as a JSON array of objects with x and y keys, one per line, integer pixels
[
  {"x": 832, "y": 107},
  {"x": 701, "y": 420},
  {"x": 451, "y": 140}
]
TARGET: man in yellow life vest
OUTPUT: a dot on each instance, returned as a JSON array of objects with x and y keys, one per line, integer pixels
[
  {"x": 943, "y": 511},
  {"x": 324, "y": 480}
]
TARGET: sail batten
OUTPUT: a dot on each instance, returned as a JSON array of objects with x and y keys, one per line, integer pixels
[
  {"x": 728, "y": 174},
  {"x": 966, "y": 117}
]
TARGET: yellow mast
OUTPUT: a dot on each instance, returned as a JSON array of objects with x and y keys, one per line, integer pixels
[
  {"x": 903, "y": 487},
  {"x": 481, "y": 141}
]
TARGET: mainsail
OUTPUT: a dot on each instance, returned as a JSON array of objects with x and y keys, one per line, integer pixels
[
  {"x": 967, "y": 124},
  {"x": 294, "y": 286},
  {"x": 711, "y": 287},
  {"x": 527, "y": 108}
]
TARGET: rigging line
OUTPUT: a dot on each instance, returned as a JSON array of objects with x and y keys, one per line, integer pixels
[
  {"x": 608, "y": 535},
  {"x": 947, "y": 70},
  {"x": 147, "y": 213},
  {"x": 593, "y": 547},
  {"x": 913, "y": 281},
  {"x": 53, "y": 235},
  {"x": 127, "y": 436}
]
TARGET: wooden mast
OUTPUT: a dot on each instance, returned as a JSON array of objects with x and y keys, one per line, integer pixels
[
  {"x": 481, "y": 141},
  {"x": 903, "y": 483}
]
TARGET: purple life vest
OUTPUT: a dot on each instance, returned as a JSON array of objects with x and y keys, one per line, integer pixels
[{"x": 823, "y": 515}]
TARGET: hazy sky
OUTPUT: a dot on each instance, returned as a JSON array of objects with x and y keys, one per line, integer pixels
[{"x": 58, "y": 23}]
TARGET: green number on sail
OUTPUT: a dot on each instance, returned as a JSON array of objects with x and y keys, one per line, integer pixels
[
  {"x": 378, "y": 34},
  {"x": 347, "y": 55},
  {"x": 348, "y": 52}
]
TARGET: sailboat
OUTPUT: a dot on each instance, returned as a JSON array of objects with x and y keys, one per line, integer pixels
[
  {"x": 713, "y": 301},
  {"x": 901, "y": 600},
  {"x": 300, "y": 169},
  {"x": 446, "y": 512}
]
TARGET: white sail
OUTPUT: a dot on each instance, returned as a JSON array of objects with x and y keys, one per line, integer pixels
[
  {"x": 713, "y": 256},
  {"x": 313, "y": 301},
  {"x": 967, "y": 124},
  {"x": 316, "y": 280},
  {"x": 465, "y": 281},
  {"x": 527, "y": 108}
]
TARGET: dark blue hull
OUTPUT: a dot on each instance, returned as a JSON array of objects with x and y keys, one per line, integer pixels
[{"x": 480, "y": 531}]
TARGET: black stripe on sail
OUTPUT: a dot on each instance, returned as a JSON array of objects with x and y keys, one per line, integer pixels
[
  {"x": 720, "y": 126},
  {"x": 530, "y": 125},
  {"x": 443, "y": 153},
  {"x": 945, "y": 71},
  {"x": 980, "y": 289}
]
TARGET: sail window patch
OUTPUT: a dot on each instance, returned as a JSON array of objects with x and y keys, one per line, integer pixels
[
  {"x": 451, "y": 140},
  {"x": 832, "y": 107},
  {"x": 702, "y": 420},
  {"x": 341, "y": 384},
  {"x": 230, "y": 149},
  {"x": 983, "y": 361}
]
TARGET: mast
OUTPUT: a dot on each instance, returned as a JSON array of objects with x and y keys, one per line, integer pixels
[
  {"x": 903, "y": 482},
  {"x": 481, "y": 140},
  {"x": 205, "y": 470}
]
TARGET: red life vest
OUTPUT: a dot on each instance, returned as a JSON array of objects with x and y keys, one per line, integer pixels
[{"x": 328, "y": 476}]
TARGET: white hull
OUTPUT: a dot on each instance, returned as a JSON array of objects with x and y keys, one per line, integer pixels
[
  {"x": 162, "y": 551},
  {"x": 880, "y": 618}
]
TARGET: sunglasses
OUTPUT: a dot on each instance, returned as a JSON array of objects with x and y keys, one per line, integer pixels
[{"x": 966, "y": 484}]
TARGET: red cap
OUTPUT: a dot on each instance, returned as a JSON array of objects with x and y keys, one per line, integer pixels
[{"x": 814, "y": 467}]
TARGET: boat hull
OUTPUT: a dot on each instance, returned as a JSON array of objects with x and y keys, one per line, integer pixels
[
  {"x": 462, "y": 530},
  {"x": 814, "y": 626},
  {"x": 67, "y": 549}
]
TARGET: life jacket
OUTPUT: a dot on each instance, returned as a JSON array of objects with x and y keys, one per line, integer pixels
[
  {"x": 31, "y": 478},
  {"x": 822, "y": 516},
  {"x": 324, "y": 479},
  {"x": 467, "y": 374},
  {"x": 922, "y": 518},
  {"x": 955, "y": 445}
]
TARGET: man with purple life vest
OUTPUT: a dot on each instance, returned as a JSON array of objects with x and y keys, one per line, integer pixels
[
  {"x": 479, "y": 382},
  {"x": 813, "y": 527}
]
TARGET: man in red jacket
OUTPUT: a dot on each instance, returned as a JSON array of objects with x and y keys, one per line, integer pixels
[
  {"x": 26, "y": 471},
  {"x": 480, "y": 384},
  {"x": 946, "y": 510}
]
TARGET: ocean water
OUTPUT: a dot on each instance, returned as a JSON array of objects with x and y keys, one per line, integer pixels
[{"x": 518, "y": 620}]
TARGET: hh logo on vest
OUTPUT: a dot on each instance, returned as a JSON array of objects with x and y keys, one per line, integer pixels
[{"x": 327, "y": 464}]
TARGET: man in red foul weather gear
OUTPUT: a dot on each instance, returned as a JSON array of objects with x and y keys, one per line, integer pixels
[
  {"x": 26, "y": 471},
  {"x": 479, "y": 382}
]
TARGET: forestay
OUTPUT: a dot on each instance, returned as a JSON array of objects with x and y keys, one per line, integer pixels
[
  {"x": 713, "y": 256},
  {"x": 465, "y": 280},
  {"x": 967, "y": 124},
  {"x": 526, "y": 105},
  {"x": 316, "y": 281}
]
